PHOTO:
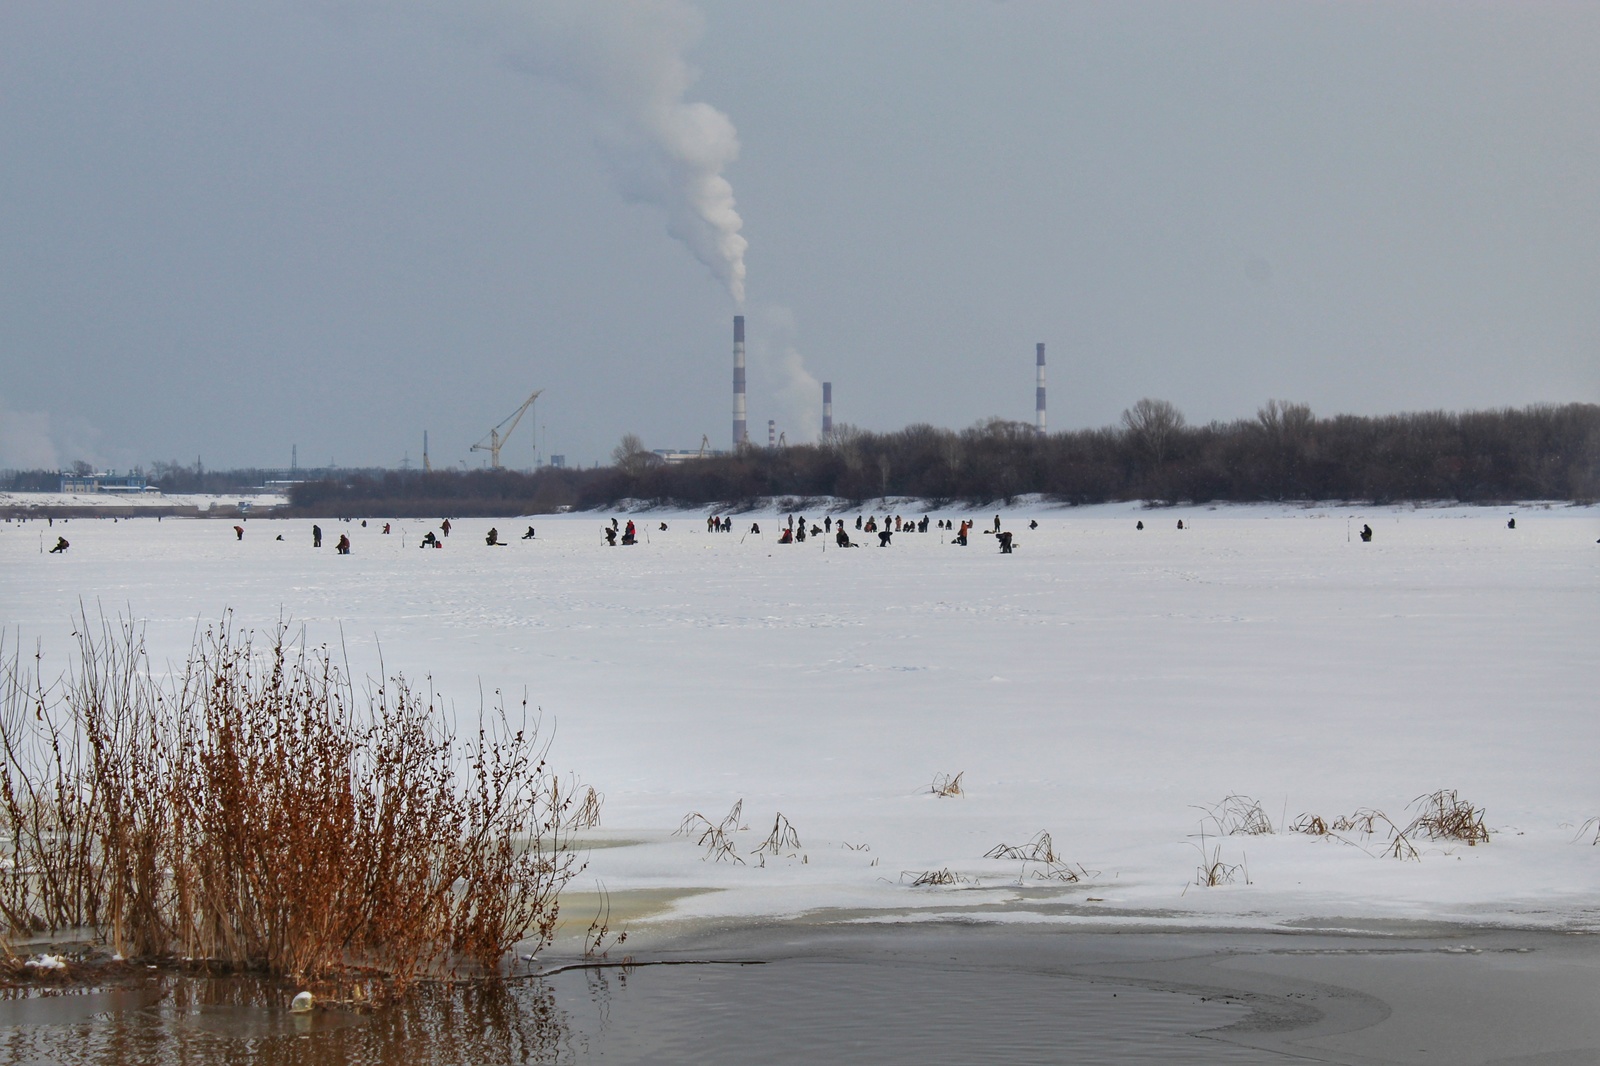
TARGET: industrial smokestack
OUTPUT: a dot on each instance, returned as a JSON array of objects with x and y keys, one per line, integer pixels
[
  {"x": 740, "y": 434},
  {"x": 1038, "y": 402},
  {"x": 772, "y": 433},
  {"x": 827, "y": 408}
]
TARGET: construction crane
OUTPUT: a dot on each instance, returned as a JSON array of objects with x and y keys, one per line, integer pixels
[
  {"x": 705, "y": 443},
  {"x": 497, "y": 436}
]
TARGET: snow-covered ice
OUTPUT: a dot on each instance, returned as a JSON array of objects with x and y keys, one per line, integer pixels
[{"x": 1102, "y": 684}]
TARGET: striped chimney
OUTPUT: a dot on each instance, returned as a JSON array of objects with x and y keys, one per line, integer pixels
[
  {"x": 740, "y": 434},
  {"x": 1038, "y": 402},
  {"x": 772, "y": 433},
  {"x": 827, "y": 408}
]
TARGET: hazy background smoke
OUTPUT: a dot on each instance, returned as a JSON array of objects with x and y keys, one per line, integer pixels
[
  {"x": 778, "y": 374},
  {"x": 628, "y": 59}
]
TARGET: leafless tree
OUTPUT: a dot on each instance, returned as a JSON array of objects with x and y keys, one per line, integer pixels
[{"x": 1153, "y": 424}]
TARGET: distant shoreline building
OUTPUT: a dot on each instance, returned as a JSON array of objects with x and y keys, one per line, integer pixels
[{"x": 107, "y": 482}]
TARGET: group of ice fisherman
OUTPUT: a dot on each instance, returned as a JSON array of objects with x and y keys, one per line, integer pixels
[{"x": 796, "y": 529}]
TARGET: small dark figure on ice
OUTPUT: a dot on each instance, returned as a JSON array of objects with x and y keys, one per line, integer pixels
[
  {"x": 529, "y": 534},
  {"x": 611, "y": 535},
  {"x": 1139, "y": 524},
  {"x": 343, "y": 547},
  {"x": 883, "y": 537},
  {"x": 842, "y": 538},
  {"x": 492, "y": 538},
  {"x": 1005, "y": 542},
  {"x": 61, "y": 545},
  {"x": 1512, "y": 524},
  {"x": 429, "y": 540},
  {"x": 316, "y": 536},
  {"x": 238, "y": 532},
  {"x": 1366, "y": 534},
  {"x": 629, "y": 535}
]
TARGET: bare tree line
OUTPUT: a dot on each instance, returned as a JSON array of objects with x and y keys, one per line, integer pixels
[{"x": 1284, "y": 453}]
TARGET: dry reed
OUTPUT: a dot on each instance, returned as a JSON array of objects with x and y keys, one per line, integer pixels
[
  {"x": 255, "y": 810},
  {"x": 715, "y": 837},
  {"x": 945, "y": 786},
  {"x": 1443, "y": 815}
]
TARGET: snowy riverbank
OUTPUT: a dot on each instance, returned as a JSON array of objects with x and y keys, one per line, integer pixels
[{"x": 1103, "y": 684}]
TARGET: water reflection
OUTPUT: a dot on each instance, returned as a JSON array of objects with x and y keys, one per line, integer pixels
[{"x": 181, "y": 1021}]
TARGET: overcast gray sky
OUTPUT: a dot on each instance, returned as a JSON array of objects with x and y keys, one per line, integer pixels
[{"x": 227, "y": 229}]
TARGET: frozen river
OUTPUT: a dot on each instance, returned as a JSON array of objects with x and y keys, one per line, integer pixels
[{"x": 1103, "y": 684}]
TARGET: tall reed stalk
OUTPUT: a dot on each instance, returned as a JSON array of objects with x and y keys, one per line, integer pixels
[{"x": 256, "y": 809}]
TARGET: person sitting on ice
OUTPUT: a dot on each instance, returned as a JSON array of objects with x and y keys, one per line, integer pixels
[
  {"x": 816, "y": 530},
  {"x": 343, "y": 547},
  {"x": 842, "y": 538},
  {"x": 1005, "y": 542},
  {"x": 883, "y": 537},
  {"x": 529, "y": 534},
  {"x": 611, "y": 536},
  {"x": 61, "y": 545},
  {"x": 492, "y": 538},
  {"x": 755, "y": 527},
  {"x": 1180, "y": 523},
  {"x": 428, "y": 540},
  {"x": 1366, "y": 534},
  {"x": 872, "y": 525},
  {"x": 1511, "y": 524},
  {"x": 662, "y": 527},
  {"x": 1139, "y": 524},
  {"x": 629, "y": 535},
  {"x": 1033, "y": 523},
  {"x": 787, "y": 537}
]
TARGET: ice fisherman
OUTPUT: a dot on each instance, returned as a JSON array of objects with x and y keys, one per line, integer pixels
[
  {"x": 842, "y": 538},
  {"x": 492, "y": 538},
  {"x": 238, "y": 532},
  {"x": 1005, "y": 542},
  {"x": 316, "y": 536},
  {"x": 1366, "y": 533},
  {"x": 529, "y": 534},
  {"x": 611, "y": 535},
  {"x": 61, "y": 545},
  {"x": 343, "y": 547}
]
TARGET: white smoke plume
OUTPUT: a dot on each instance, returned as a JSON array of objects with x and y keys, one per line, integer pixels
[
  {"x": 779, "y": 371},
  {"x": 627, "y": 57}
]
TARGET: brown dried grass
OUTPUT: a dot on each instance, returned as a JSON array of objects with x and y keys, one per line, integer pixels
[{"x": 255, "y": 810}]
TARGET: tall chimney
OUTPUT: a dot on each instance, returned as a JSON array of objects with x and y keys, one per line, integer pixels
[
  {"x": 1038, "y": 402},
  {"x": 740, "y": 435},
  {"x": 827, "y": 408},
  {"x": 772, "y": 433}
]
